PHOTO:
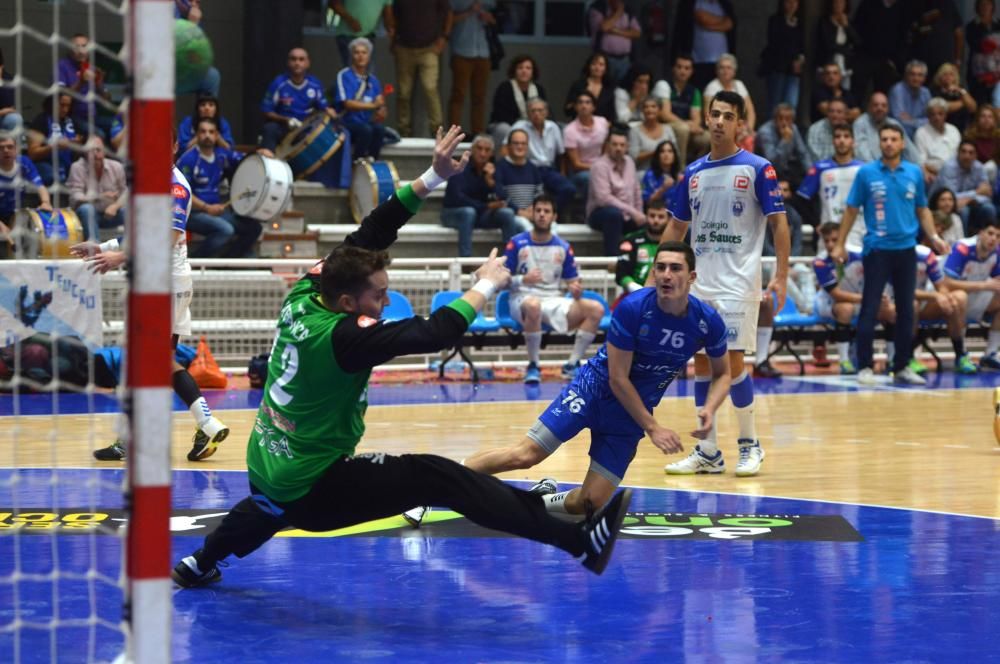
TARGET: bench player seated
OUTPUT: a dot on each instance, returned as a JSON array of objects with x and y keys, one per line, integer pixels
[
  {"x": 638, "y": 249},
  {"x": 840, "y": 297},
  {"x": 654, "y": 332},
  {"x": 539, "y": 260},
  {"x": 935, "y": 302},
  {"x": 973, "y": 266}
]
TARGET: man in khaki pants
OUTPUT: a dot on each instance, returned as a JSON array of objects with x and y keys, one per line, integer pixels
[{"x": 422, "y": 32}]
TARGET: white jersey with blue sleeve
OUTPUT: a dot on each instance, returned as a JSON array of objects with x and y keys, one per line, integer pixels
[
  {"x": 554, "y": 258},
  {"x": 964, "y": 263},
  {"x": 727, "y": 203},
  {"x": 928, "y": 268},
  {"x": 180, "y": 192}
]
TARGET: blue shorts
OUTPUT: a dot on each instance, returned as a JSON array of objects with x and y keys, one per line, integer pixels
[{"x": 587, "y": 403}]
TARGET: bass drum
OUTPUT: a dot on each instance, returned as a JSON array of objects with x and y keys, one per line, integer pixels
[
  {"x": 372, "y": 183},
  {"x": 311, "y": 145},
  {"x": 261, "y": 187},
  {"x": 41, "y": 234}
]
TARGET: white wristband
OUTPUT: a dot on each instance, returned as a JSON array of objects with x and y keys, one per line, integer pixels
[
  {"x": 485, "y": 287},
  {"x": 431, "y": 179},
  {"x": 633, "y": 286},
  {"x": 110, "y": 245}
]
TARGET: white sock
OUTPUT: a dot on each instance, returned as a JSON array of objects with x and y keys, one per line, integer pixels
[
  {"x": 556, "y": 502},
  {"x": 993, "y": 342},
  {"x": 764, "y": 335},
  {"x": 747, "y": 422},
  {"x": 890, "y": 352},
  {"x": 533, "y": 344},
  {"x": 583, "y": 340},
  {"x": 200, "y": 410},
  {"x": 709, "y": 446},
  {"x": 844, "y": 350}
]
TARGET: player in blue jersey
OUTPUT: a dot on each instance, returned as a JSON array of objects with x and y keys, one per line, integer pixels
[
  {"x": 729, "y": 197},
  {"x": 973, "y": 266},
  {"x": 654, "y": 332},
  {"x": 290, "y": 99},
  {"x": 540, "y": 261}
]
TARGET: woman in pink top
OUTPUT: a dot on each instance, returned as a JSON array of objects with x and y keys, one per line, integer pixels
[{"x": 584, "y": 137}]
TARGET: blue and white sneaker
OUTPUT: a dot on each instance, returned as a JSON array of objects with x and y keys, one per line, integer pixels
[
  {"x": 751, "y": 456},
  {"x": 697, "y": 463},
  {"x": 532, "y": 375},
  {"x": 545, "y": 487},
  {"x": 569, "y": 370},
  {"x": 989, "y": 362}
]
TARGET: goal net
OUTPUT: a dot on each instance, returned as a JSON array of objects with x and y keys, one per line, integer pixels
[{"x": 84, "y": 544}]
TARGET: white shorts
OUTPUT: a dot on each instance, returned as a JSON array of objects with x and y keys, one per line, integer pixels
[
  {"x": 182, "y": 306},
  {"x": 555, "y": 310},
  {"x": 823, "y": 306},
  {"x": 740, "y": 317},
  {"x": 979, "y": 301}
]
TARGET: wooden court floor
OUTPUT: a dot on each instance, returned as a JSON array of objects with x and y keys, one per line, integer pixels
[{"x": 928, "y": 450}]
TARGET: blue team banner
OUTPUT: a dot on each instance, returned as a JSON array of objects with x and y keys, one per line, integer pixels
[{"x": 57, "y": 297}]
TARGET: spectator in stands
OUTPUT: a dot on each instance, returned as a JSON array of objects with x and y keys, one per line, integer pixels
[
  {"x": 290, "y": 99},
  {"x": 97, "y": 189},
  {"x": 53, "y": 129},
  {"x": 663, "y": 174},
  {"x": 190, "y": 10},
  {"x": 540, "y": 261},
  {"x": 205, "y": 106},
  {"x": 983, "y": 68},
  {"x": 794, "y": 229},
  {"x": 965, "y": 175},
  {"x": 357, "y": 96},
  {"x": 645, "y": 136},
  {"x": 510, "y": 100},
  {"x": 935, "y": 32},
  {"x": 973, "y": 266},
  {"x": 613, "y": 31},
  {"x": 422, "y": 32},
  {"x": 831, "y": 179},
  {"x": 836, "y": 39},
  {"x": 584, "y": 138},
  {"x": 359, "y": 18},
  {"x": 638, "y": 249},
  {"x": 783, "y": 57},
  {"x": 943, "y": 206},
  {"x": 118, "y": 133},
  {"x": 832, "y": 87},
  {"x": 908, "y": 98},
  {"x": 471, "y": 200},
  {"x": 594, "y": 79},
  {"x": 546, "y": 150},
  {"x": 937, "y": 141},
  {"x": 706, "y": 29},
  {"x": 781, "y": 143},
  {"x": 206, "y": 166},
  {"x": 76, "y": 74},
  {"x": 961, "y": 105},
  {"x": 866, "y": 129},
  {"x": 518, "y": 181},
  {"x": 634, "y": 88},
  {"x": 986, "y": 136},
  {"x": 726, "y": 80},
  {"x": 684, "y": 115},
  {"x": 470, "y": 60},
  {"x": 882, "y": 31},
  {"x": 17, "y": 177},
  {"x": 819, "y": 138},
  {"x": 614, "y": 201},
  {"x": 10, "y": 119}
]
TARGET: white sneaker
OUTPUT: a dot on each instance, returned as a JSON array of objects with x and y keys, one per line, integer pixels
[
  {"x": 909, "y": 377},
  {"x": 866, "y": 377},
  {"x": 751, "y": 456},
  {"x": 416, "y": 516},
  {"x": 697, "y": 463}
]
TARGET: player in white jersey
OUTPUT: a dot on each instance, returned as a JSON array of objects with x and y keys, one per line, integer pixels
[
  {"x": 540, "y": 261},
  {"x": 974, "y": 267},
  {"x": 107, "y": 256},
  {"x": 831, "y": 180},
  {"x": 728, "y": 197},
  {"x": 935, "y": 302}
]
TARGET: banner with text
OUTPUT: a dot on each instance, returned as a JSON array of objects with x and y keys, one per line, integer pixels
[{"x": 56, "y": 297}]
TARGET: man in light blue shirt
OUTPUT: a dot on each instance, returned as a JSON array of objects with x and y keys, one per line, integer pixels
[
  {"x": 891, "y": 191},
  {"x": 908, "y": 98},
  {"x": 966, "y": 177},
  {"x": 470, "y": 61}
]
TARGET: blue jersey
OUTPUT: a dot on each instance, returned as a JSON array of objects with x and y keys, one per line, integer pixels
[
  {"x": 293, "y": 101},
  {"x": 727, "y": 203},
  {"x": 206, "y": 175},
  {"x": 350, "y": 86},
  {"x": 23, "y": 176},
  {"x": 53, "y": 129},
  {"x": 186, "y": 131},
  {"x": 661, "y": 344},
  {"x": 964, "y": 263},
  {"x": 554, "y": 258}
]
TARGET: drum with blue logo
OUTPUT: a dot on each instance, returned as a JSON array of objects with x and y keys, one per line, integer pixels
[
  {"x": 41, "y": 234},
  {"x": 311, "y": 145},
  {"x": 372, "y": 182}
]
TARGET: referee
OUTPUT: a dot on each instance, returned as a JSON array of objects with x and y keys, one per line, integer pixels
[{"x": 892, "y": 193}]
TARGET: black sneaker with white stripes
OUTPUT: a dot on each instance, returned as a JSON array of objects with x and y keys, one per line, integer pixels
[
  {"x": 545, "y": 487},
  {"x": 601, "y": 531},
  {"x": 187, "y": 574}
]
